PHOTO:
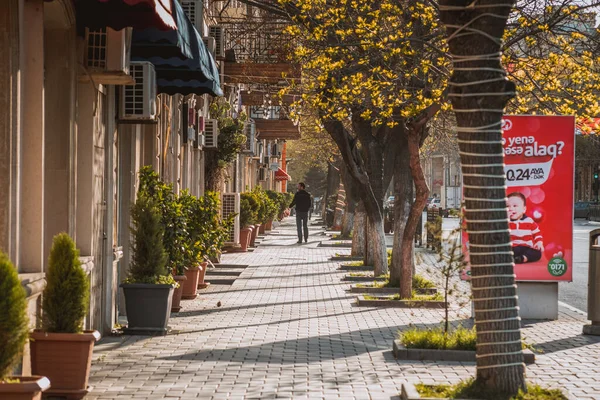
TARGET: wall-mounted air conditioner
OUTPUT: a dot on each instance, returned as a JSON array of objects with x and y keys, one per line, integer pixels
[
  {"x": 138, "y": 101},
  {"x": 250, "y": 133},
  {"x": 210, "y": 44},
  {"x": 230, "y": 204},
  {"x": 194, "y": 10},
  {"x": 107, "y": 55},
  {"x": 218, "y": 32},
  {"x": 211, "y": 132}
]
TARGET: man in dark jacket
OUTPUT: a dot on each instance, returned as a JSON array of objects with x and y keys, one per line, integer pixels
[{"x": 303, "y": 202}]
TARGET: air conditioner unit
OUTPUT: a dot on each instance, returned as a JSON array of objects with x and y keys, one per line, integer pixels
[
  {"x": 262, "y": 174},
  {"x": 210, "y": 44},
  {"x": 218, "y": 32},
  {"x": 107, "y": 55},
  {"x": 250, "y": 132},
  {"x": 211, "y": 132},
  {"x": 194, "y": 10},
  {"x": 138, "y": 101},
  {"x": 230, "y": 204}
]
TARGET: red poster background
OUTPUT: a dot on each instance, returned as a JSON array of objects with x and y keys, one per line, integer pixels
[{"x": 539, "y": 157}]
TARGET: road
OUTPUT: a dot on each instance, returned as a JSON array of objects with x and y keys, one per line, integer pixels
[{"x": 572, "y": 293}]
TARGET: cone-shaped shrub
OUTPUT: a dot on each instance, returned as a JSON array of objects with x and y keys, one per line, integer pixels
[
  {"x": 67, "y": 293},
  {"x": 149, "y": 259},
  {"x": 14, "y": 328}
]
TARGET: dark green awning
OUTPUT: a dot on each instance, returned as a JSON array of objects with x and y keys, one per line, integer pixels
[{"x": 183, "y": 63}]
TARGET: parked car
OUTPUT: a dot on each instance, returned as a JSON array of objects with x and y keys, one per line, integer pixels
[
  {"x": 582, "y": 209},
  {"x": 437, "y": 203}
]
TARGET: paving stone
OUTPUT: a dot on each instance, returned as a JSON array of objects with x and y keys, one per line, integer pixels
[{"x": 287, "y": 328}]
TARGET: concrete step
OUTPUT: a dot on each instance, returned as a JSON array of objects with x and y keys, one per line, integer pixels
[{"x": 223, "y": 272}]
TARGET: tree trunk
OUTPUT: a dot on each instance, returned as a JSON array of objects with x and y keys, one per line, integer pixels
[
  {"x": 403, "y": 199},
  {"x": 376, "y": 247},
  {"x": 358, "y": 236},
  {"x": 479, "y": 92},
  {"x": 351, "y": 202},
  {"x": 369, "y": 249},
  {"x": 348, "y": 220},
  {"x": 212, "y": 172},
  {"x": 414, "y": 217},
  {"x": 340, "y": 205},
  {"x": 333, "y": 182}
]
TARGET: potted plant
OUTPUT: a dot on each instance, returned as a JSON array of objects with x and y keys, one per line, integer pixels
[
  {"x": 62, "y": 350},
  {"x": 209, "y": 231},
  {"x": 149, "y": 288},
  {"x": 247, "y": 215},
  {"x": 14, "y": 329},
  {"x": 256, "y": 215},
  {"x": 173, "y": 224}
]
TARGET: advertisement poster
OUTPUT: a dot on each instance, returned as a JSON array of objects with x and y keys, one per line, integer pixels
[{"x": 539, "y": 166}]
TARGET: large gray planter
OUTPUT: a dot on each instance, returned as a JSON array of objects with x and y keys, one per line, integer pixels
[{"x": 148, "y": 308}]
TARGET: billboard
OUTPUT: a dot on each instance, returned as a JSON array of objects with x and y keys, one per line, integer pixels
[{"x": 539, "y": 157}]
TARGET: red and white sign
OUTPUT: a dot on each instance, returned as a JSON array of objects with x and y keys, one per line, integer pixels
[{"x": 539, "y": 155}]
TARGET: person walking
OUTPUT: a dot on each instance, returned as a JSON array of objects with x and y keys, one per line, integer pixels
[{"x": 303, "y": 202}]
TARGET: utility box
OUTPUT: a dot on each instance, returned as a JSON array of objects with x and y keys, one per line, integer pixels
[{"x": 594, "y": 285}]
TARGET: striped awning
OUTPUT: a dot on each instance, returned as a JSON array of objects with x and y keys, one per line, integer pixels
[
  {"x": 281, "y": 175},
  {"x": 119, "y": 14}
]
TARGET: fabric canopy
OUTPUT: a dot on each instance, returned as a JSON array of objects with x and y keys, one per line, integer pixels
[
  {"x": 281, "y": 175},
  {"x": 119, "y": 14},
  {"x": 183, "y": 63}
]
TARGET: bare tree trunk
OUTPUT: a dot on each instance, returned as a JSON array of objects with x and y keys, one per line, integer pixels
[
  {"x": 479, "y": 93},
  {"x": 359, "y": 237},
  {"x": 403, "y": 199},
  {"x": 414, "y": 217},
  {"x": 333, "y": 181}
]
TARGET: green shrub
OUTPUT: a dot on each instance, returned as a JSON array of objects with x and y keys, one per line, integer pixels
[
  {"x": 14, "y": 325},
  {"x": 458, "y": 339},
  {"x": 251, "y": 209},
  {"x": 172, "y": 218},
  {"x": 420, "y": 282},
  {"x": 67, "y": 293},
  {"x": 149, "y": 259}
]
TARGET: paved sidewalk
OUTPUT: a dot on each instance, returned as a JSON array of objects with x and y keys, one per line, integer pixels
[{"x": 288, "y": 328}]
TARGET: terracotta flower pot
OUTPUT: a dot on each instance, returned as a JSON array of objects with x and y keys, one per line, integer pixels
[
  {"x": 245, "y": 234},
  {"x": 254, "y": 235},
  {"x": 65, "y": 359},
  {"x": 269, "y": 225},
  {"x": 190, "y": 286},
  {"x": 28, "y": 388},
  {"x": 176, "y": 303},
  {"x": 201, "y": 275},
  {"x": 262, "y": 229}
]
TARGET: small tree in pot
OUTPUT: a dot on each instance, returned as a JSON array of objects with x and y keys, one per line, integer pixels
[
  {"x": 174, "y": 225},
  {"x": 13, "y": 336},
  {"x": 247, "y": 215},
  {"x": 62, "y": 343},
  {"x": 149, "y": 288}
]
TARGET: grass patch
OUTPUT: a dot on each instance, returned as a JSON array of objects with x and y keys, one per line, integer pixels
[
  {"x": 355, "y": 264},
  {"x": 470, "y": 389},
  {"x": 339, "y": 236},
  {"x": 415, "y": 297},
  {"x": 419, "y": 282},
  {"x": 458, "y": 339}
]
